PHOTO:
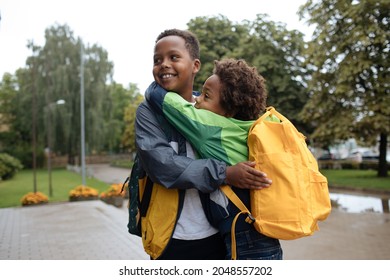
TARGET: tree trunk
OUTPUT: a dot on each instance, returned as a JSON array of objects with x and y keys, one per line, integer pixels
[
  {"x": 382, "y": 167},
  {"x": 71, "y": 159}
]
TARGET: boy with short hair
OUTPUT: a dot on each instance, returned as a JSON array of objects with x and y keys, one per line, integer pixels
[{"x": 175, "y": 225}]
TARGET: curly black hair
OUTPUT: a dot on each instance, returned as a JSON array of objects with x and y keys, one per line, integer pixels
[
  {"x": 191, "y": 41},
  {"x": 243, "y": 91}
]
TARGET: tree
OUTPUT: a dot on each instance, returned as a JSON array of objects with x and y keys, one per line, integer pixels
[
  {"x": 116, "y": 124},
  {"x": 58, "y": 77},
  {"x": 278, "y": 55},
  {"x": 53, "y": 72},
  {"x": 218, "y": 37},
  {"x": 8, "y": 92},
  {"x": 349, "y": 55},
  {"x": 128, "y": 138}
]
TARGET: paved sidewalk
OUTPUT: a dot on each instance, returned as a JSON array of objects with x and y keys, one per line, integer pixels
[
  {"x": 93, "y": 230},
  {"x": 88, "y": 230}
]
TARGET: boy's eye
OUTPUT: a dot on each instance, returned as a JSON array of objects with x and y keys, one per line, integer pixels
[
  {"x": 156, "y": 60},
  {"x": 174, "y": 57}
]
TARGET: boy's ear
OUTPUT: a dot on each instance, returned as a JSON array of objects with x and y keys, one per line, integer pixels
[{"x": 196, "y": 67}]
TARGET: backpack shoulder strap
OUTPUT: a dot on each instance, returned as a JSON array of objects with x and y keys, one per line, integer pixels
[
  {"x": 145, "y": 201},
  {"x": 267, "y": 113},
  {"x": 227, "y": 190}
]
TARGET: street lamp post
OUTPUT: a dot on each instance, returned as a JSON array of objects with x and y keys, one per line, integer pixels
[
  {"x": 58, "y": 102},
  {"x": 82, "y": 120}
]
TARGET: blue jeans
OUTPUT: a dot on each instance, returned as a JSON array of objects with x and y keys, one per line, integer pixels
[{"x": 252, "y": 245}]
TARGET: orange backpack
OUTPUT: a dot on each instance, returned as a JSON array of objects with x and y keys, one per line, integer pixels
[{"x": 298, "y": 197}]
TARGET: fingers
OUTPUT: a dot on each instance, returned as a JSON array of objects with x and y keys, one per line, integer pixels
[
  {"x": 255, "y": 187},
  {"x": 250, "y": 163},
  {"x": 254, "y": 182},
  {"x": 258, "y": 177},
  {"x": 258, "y": 186},
  {"x": 243, "y": 175},
  {"x": 256, "y": 172}
]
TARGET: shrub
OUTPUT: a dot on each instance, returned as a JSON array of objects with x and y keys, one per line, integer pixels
[
  {"x": 8, "y": 166},
  {"x": 113, "y": 190},
  {"x": 34, "y": 198},
  {"x": 366, "y": 165},
  {"x": 83, "y": 192}
]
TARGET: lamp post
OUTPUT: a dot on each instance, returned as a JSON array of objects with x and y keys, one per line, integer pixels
[
  {"x": 82, "y": 120},
  {"x": 58, "y": 102}
]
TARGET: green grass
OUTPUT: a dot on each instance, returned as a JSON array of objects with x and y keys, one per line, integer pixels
[
  {"x": 11, "y": 191},
  {"x": 358, "y": 179}
]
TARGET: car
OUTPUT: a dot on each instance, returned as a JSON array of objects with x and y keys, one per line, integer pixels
[
  {"x": 327, "y": 156},
  {"x": 365, "y": 154}
]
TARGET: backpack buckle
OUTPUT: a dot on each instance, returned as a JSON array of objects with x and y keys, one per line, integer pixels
[{"x": 250, "y": 219}]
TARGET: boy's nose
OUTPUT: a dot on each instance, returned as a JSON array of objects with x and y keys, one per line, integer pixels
[
  {"x": 164, "y": 64},
  {"x": 197, "y": 99}
]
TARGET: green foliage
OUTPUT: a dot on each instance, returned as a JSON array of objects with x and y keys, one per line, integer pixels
[
  {"x": 8, "y": 166},
  {"x": 349, "y": 55},
  {"x": 116, "y": 125},
  {"x": 128, "y": 137},
  {"x": 8, "y": 92},
  {"x": 278, "y": 54},
  {"x": 218, "y": 37},
  {"x": 52, "y": 72}
]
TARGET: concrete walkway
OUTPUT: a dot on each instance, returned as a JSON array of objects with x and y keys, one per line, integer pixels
[{"x": 93, "y": 230}]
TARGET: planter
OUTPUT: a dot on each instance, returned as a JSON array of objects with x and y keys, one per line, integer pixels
[
  {"x": 117, "y": 201},
  {"x": 127, "y": 195},
  {"x": 35, "y": 204},
  {"x": 82, "y": 198},
  {"x": 34, "y": 198}
]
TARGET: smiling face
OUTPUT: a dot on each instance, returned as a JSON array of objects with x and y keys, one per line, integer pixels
[
  {"x": 173, "y": 67},
  {"x": 210, "y": 99}
]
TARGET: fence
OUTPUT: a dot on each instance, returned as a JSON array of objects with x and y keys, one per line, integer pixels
[
  {"x": 62, "y": 161},
  {"x": 348, "y": 164}
]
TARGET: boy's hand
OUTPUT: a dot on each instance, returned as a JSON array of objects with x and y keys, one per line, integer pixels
[{"x": 243, "y": 175}]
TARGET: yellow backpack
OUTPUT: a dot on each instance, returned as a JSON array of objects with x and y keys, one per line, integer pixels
[{"x": 298, "y": 197}]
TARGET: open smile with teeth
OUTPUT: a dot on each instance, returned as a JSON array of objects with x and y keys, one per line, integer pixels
[{"x": 167, "y": 76}]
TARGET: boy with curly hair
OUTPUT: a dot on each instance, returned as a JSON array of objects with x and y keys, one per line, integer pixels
[{"x": 217, "y": 126}]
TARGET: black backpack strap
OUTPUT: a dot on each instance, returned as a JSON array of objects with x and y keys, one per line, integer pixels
[
  {"x": 144, "y": 203},
  {"x": 124, "y": 183}
]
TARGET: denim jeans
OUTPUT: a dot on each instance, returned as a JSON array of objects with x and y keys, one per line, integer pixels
[{"x": 252, "y": 245}]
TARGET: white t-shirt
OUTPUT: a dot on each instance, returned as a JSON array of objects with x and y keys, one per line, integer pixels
[{"x": 192, "y": 223}]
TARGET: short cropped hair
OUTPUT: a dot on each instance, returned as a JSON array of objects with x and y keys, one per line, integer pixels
[
  {"x": 191, "y": 41},
  {"x": 243, "y": 91}
]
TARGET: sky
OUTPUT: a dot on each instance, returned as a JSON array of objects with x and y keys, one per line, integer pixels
[{"x": 125, "y": 29}]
